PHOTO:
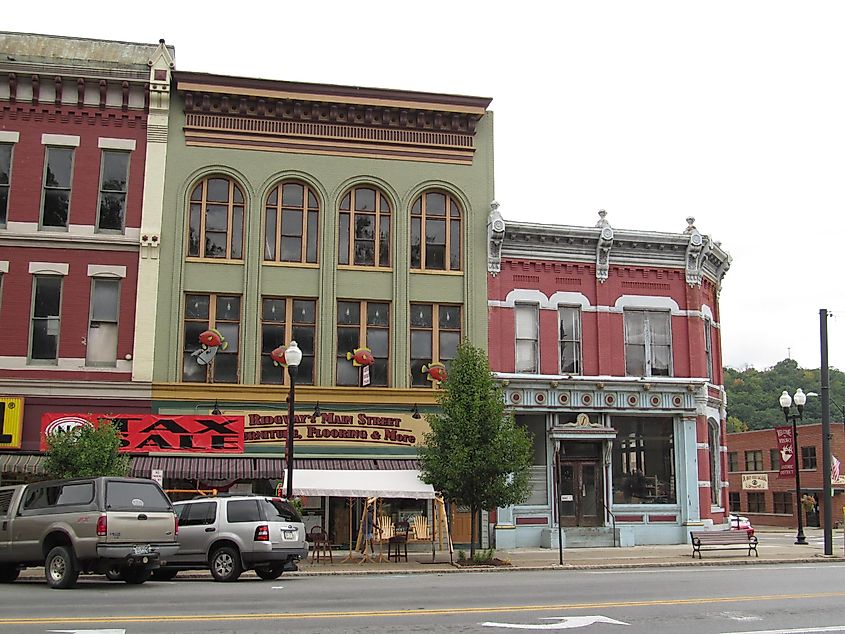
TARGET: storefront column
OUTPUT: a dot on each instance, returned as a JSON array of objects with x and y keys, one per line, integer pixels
[{"x": 688, "y": 497}]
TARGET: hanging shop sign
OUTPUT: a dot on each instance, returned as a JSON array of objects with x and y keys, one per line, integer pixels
[
  {"x": 157, "y": 432},
  {"x": 337, "y": 428},
  {"x": 786, "y": 448},
  {"x": 11, "y": 422},
  {"x": 755, "y": 481}
]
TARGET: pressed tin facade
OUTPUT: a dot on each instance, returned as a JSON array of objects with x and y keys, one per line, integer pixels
[{"x": 360, "y": 163}]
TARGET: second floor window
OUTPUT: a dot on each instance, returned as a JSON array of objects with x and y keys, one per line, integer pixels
[
  {"x": 216, "y": 228},
  {"x": 648, "y": 343},
  {"x": 436, "y": 233},
  {"x": 114, "y": 181},
  {"x": 46, "y": 318},
  {"x": 359, "y": 325},
  {"x": 286, "y": 319},
  {"x": 754, "y": 460},
  {"x": 435, "y": 336},
  {"x": 708, "y": 347},
  {"x": 364, "y": 228},
  {"x": 808, "y": 458},
  {"x": 58, "y": 174},
  {"x": 206, "y": 312},
  {"x": 101, "y": 346},
  {"x": 527, "y": 342},
  {"x": 5, "y": 180},
  {"x": 291, "y": 220},
  {"x": 570, "y": 339}
]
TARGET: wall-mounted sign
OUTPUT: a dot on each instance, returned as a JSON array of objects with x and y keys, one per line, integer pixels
[
  {"x": 157, "y": 475},
  {"x": 337, "y": 428},
  {"x": 755, "y": 481},
  {"x": 154, "y": 432},
  {"x": 11, "y": 422}
]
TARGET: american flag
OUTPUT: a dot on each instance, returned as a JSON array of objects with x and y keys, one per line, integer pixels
[{"x": 834, "y": 469}]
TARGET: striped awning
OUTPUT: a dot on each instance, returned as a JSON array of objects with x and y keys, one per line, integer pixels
[
  {"x": 21, "y": 463},
  {"x": 209, "y": 467},
  {"x": 356, "y": 464}
]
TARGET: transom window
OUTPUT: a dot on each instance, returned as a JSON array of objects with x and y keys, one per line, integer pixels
[
  {"x": 206, "y": 312},
  {"x": 46, "y": 318},
  {"x": 5, "y": 180},
  {"x": 58, "y": 174},
  {"x": 291, "y": 220},
  {"x": 437, "y": 216},
  {"x": 648, "y": 343},
  {"x": 435, "y": 336},
  {"x": 364, "y": 228},
  {"x": 286, "y": 319},
  {"x": 114, "y": 180},
  {"x": 359, "y": 322},
  {"x": 570, "y": 339},
  {"x": 527, "y": 338},
  {"x": 216, "y": 228}
]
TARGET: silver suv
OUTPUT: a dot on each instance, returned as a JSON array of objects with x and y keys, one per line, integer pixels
[{"x": 230, "y": 534}]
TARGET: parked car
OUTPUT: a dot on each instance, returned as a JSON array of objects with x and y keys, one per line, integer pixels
[
  {"x": 86, "y": 525},
  {"x": 228, "y": 534},
  {"x": 740, "y": 523}
]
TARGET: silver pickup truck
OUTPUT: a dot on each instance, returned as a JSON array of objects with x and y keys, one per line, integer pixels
[{"x": 90, "y": 525}]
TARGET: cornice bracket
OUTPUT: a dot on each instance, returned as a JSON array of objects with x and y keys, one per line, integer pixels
[
  {"x": 605, "y": 243},
  {"x": 495, "y": 237}
]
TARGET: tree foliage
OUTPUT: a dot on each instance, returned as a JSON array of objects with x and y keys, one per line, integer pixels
[
  {"x": 86, "y": 452},
  {"x": 475, "y": 455},
  {"x": 753, "y": 394},
  {"x": 735, "y": 425}
]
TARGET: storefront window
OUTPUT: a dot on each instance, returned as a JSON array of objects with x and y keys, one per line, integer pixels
[
  {"x": 644, "y": 461},
  {"x": 535, "y": 424}
]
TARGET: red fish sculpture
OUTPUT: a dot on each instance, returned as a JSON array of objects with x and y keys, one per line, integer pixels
[
  {"x": 361, "y": 356},
  {"x": 436, "y": 371},
  {"x": 278, "y": 356},
  {"x": 210, "y": 342}
]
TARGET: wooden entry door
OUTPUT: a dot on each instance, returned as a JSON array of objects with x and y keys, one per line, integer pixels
[
  {"x": 460, "y": 525},
  {"x": 580, "y": 487}
]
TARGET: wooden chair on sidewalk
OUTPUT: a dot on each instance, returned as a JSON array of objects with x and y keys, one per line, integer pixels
[
  {"x": 320, "y": 544},
  {"x": 398, "y": 541}
]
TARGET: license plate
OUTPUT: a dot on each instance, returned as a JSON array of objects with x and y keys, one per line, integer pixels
[
  {"x": 289, "y": 534},
  {"x": 143, "y": 549}
]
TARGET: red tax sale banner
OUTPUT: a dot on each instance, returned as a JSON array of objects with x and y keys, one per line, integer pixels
[
  {"x": 786, "y": 449},
  {"x": 158, "y": 432}
]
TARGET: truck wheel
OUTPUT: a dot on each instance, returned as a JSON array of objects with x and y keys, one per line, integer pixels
[
  {"x": 273, "y": 572},
  {"x": 9, "y": 573},
  {"x": 226, "y": 564},
  {"x": 136, "y": 576},
  {"x": 164, "y": 574},
  {"x": 60, "y": 568},
  {"x": 114, "y": 574}
]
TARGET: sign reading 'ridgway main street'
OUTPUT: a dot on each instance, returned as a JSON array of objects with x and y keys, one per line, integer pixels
[{"x": 347, "y": 428}]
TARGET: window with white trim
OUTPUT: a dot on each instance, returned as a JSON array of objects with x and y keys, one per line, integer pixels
[
  {"x": 527, "y": 338},
  {"x": 101, "y": 348},
  {"x": 5, "y": 180},
  {"x": 46, "y": 318},
  {"x": 114, "y": 183},
  {"x": 569, "y": 322},
  {"x": 58, "y": 175},
  {"x": 648, "y": 343}
]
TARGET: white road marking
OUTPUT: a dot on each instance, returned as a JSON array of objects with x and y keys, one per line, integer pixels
[
  {"x": 798, "y": 630},
  {"x": 277, "y": 587},
  {"x": 738, "y": 616},
  {"x": 565, "y": 623},
  {"x": 90, "y": 631}
]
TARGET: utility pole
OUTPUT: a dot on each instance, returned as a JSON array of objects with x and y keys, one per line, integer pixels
[{"x": 826, "y": 461}]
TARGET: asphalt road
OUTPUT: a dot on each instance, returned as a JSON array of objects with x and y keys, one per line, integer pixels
[{"x": 722, "y": 599}]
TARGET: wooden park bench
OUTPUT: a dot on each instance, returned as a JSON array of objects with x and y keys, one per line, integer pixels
[{"x": 723, "y": 540}]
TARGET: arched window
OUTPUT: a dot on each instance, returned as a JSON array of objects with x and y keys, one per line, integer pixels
[
  {"x": 438, "y": 216},
  {"x": 714, "y": 445},
  {"x": 216, "y": 228},
  {"x": 290, "y": 223},
  {"x": 364, "y": 228}
]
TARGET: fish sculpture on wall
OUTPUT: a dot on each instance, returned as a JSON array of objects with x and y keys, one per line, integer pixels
[
  {"x": 361, "y": 357},
  {"x": 436, "y": 372},
  {"x": 278, "y": 356},
  {"x": 210, "y": 342}
]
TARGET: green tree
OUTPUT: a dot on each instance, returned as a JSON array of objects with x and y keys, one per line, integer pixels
[
  {"x": 85, "y": 452},
  {"x": 475, "y": 455},
  {"x": 735, "y": 425}
]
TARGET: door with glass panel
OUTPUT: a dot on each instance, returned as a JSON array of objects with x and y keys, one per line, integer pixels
[{"x": 579, "y": 493}]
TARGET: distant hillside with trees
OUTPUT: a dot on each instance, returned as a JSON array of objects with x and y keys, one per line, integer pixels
[{"x": 753, "y": 395}]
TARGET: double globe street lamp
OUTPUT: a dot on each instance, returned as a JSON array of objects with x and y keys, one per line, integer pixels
[
  {"x": 292, "y": 358},
  {"x": 786, "y": 402}
]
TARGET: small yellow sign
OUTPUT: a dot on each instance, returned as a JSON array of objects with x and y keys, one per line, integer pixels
[
  {"x": 755, "y": 481},
  {"x": 11, "y": 422}
]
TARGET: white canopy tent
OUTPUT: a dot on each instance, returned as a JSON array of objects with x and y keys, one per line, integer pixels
[{"x": 380, "y": 483}]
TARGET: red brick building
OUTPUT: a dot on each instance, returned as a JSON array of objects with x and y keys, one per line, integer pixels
[
  {"x": 608, "y": 345},
  {"x": 757, "y": 492}
]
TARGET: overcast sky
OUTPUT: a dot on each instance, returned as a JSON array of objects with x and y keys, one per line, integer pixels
[{"x": 730, "y": 112}]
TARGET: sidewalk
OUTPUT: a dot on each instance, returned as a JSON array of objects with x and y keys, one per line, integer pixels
[{"x": 775, "y": 547}]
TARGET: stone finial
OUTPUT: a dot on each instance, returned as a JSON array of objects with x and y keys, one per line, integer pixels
[
  {"x": 602, "y": 221},
  {"x": 690, "y": 225}
]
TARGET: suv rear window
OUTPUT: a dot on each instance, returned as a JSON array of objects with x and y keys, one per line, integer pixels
[
  {"x": 134, "y": 496},
  {"x": 242, "y": 511},
  {"x": 280, "y": 511}
]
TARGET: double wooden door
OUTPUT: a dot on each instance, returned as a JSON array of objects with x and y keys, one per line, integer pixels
[{"x": 580, "y": 489}]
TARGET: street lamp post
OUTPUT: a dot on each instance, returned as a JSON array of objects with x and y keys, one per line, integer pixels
[
  {"x": 786, "y": 403},
  {"x": 293, "y": 356}
]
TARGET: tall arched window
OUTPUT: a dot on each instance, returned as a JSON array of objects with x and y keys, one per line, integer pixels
[
  {"x": 216, "y": 228},
  {"x": 290, "y": 223},
  {"x": 437, "y": 216},
  {"x": 364, "y": 228},
  {"x": 714, "y": 445}
]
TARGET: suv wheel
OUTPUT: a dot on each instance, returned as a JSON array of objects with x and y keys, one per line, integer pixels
[
  {"x": 9, "y": 573},
  {"x": 136, "y": 575},
  {"x": 164, "y": 574},
  {"x": 273, "y": 572},
  {"x": 60, "y": 568},
  {"x": 226, "y": 564}
]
